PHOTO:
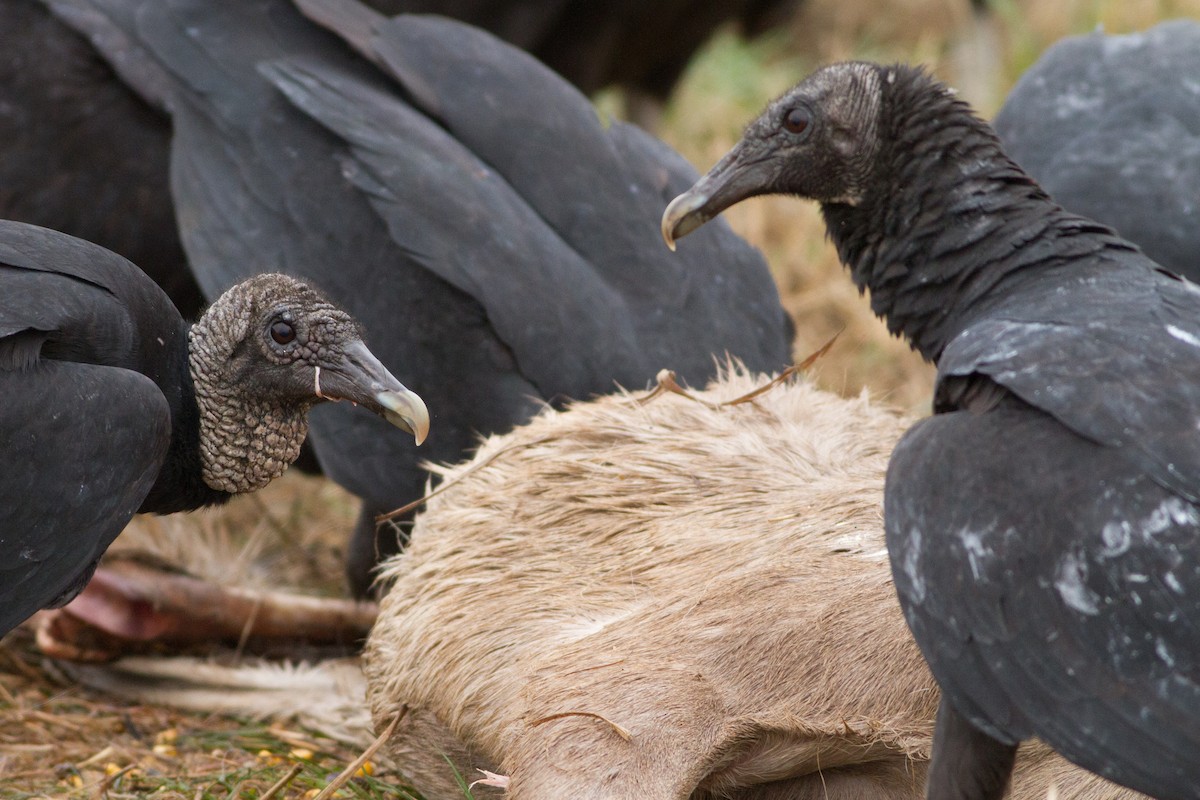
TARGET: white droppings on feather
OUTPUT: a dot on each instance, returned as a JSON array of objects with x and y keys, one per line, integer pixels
[{"x": 1072, "y": 572}]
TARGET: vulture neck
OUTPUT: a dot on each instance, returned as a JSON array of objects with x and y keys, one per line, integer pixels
[
  {"x": 951, "y": 223},
  {"x": 246, "y": 438},
  {"x": 179, "y": 486}
]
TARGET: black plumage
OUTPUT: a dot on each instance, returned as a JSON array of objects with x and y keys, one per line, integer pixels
[
  {"x": 640, "y": 46},
  {"x": 112, "y": 405},
  {"x": 1043, "y": 525},
  {"x": 86, "y": 155},
  {"x": 1110, "y": 127},
  {"x": 492, "y": 232}
]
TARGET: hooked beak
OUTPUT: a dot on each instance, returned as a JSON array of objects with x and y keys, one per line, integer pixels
[
  {"x": 734, "y": 178},
  {"x": 360, "y": 378}
]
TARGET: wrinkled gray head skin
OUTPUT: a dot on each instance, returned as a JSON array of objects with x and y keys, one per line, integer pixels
[
  {"x": 261, "y": 356},
  {"x": 817, "y": 141}
]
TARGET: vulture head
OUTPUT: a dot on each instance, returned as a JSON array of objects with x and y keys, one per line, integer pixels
[{"x": 267, "y": 351}]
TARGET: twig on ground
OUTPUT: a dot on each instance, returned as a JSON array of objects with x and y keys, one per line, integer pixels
[{"x": 349, "y": 772}]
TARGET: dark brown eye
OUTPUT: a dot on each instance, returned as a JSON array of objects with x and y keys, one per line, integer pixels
[
  {"x": 283, "y": 332},
  {"x": 796, "y": 120}
]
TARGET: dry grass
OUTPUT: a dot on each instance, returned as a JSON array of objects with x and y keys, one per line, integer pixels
[
  {"x": 293, "y": 533},
  {"x": 58, "y": 740}
]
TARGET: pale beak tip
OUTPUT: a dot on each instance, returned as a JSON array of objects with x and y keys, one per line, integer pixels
[
  {"x": 406, "y": 410},
  {"x": 666, "y": 233},
  {"x": 683, "y": 215},
  {"x": 419, "y": 434}
]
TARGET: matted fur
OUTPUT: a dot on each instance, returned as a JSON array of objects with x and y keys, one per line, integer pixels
[{"x": 666, "y": 599}]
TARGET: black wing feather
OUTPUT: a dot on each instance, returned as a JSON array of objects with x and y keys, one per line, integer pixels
[
  {"x": 85, "y": 427},
  {"x": 403, "y": 161},
  {"x": 1066, "y": 599},
  {"x": 83, "y": 444},
  {"x": 98, "y": 307},
  {"x": 1112, "y": 351},
  {"x": 1110, "y": 127},
  {"x": 600, "y": 185}
]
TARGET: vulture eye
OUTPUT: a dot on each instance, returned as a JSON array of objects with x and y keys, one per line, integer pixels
[
  {"x": 283, "y": 332},
  {"x": 796, "y": 120}
]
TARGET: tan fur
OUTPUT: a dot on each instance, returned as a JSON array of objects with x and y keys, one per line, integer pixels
[{"x": 666, "y": 600}]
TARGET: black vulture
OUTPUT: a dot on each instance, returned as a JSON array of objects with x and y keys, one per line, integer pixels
[
  {"x": 113, "y": 405},
  {"x": 1110, "y": 127},
  {"x": 495, "y": 235},
  {"x": 1043, "y": 525},
  {"x": 83, "y": 154},
  {"x": 87, "y": 155}
]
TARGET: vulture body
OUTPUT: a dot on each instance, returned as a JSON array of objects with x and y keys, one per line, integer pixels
[
  {"x": 1109, "y": 126},
  {"x": 112, "y": 405},
  {"x": 469, "y": 206},
  {"x": 1043, "y": 524},
  {"x": 87, "y": 155},
  {"x": 83, "y": 153}
]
